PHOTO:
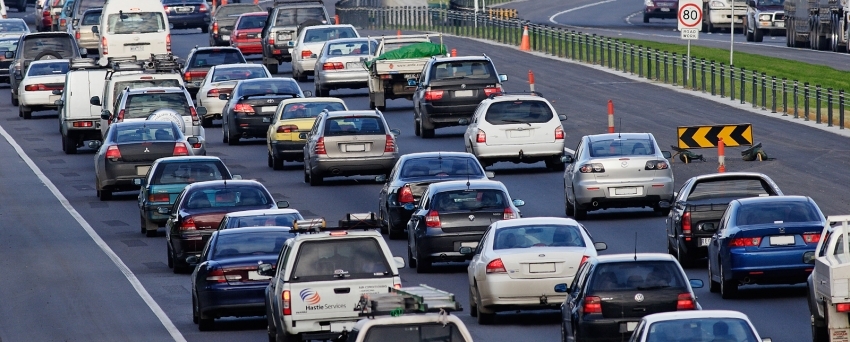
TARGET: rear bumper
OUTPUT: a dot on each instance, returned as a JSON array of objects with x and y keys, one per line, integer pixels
[
  {"x": 237, "y": 301},
  {"x": 447, "y": 115},
  {"x": 530, "y": 152},
  {"x": 37, "y": 99},
  {"x": 351, "y": 79},
  {"x": 659, "y": 12},
  {"x": 398, "y": 217},
  {"x": 191, "y": 20},
  {"x": 151, "y": 213},
  {"x": 120, "y": 176},
  {"x": 500, "y": 292},
  {"x": 769, "y": 267},
  {"x": 288, "y": 150},
  {"x": 214, "y": 106},
  {"x": 305, "y": 65},
  {"x": 353, "y": 166},
  {"x": 723, "y": 17},
  {"x": 604, "y": 329},
  {"x": 446, "y": 246},
  {"x": 248, "y": 48},
  {"x": 251, "y": 128},
  {"x": 603, "y": 195}
]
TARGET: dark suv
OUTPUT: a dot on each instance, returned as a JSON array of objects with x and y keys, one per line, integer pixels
[
  {"x": 201, "y": 59},
  {"x": 188, "y": 14},
  {"x": 449, "y": 90},
  {"x": 281, "y": 30},
  {"x": 38, "y": 46}
]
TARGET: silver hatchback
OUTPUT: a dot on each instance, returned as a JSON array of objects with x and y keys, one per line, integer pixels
[
  {"x": 349, "y": 143},
  {"x": 339, "y": 64},
  {"x": 617, "y": 170}
]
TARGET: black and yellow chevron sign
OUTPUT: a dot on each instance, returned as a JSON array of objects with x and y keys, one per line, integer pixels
[{"x": 707, "y": 136}]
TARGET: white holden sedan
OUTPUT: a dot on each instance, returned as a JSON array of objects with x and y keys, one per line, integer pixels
[
  {"x": 42, "y": 86},
  {"x": 518, "y": 263},
  {"x": 220, "y": 80},
  {"x": 697, "y": 326}
]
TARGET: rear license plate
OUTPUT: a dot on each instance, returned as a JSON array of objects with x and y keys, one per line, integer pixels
[
  {"x": 665, "y": 10},
  {"x": 268, "y": 109},
  {"x": 53, "y": 98},
  {"x": 628, "y": 327},
  {"x": 469, "y": 244},
  {"x": 184, "y": 9},
  {"x": 625, "y": 191},
  {"x": 267, "y": 120},
  {"x": 353, "y": 65},
  {"x": 548, "y": 267},
  {"x": 136, "y": 48},
  {"x": 355, "y": 147},
  {"x": 340, "y": 326},
  {"x": 704, "y": 242},
  {"x": 520, "y": 134},
  {"x": 142, "y": 170},
  {"x": 225, "y": 38},
  {"x": 254, "y": 275},
  {"x": 463, "y": 93},
  {"x": 784, "y": 240},
  {"x": 409, "y": 76}
]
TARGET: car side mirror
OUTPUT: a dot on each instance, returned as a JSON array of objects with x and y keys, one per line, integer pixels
[
  {"x": 265, "y": 269},
  {"x": 236, "y": 177},
  {"x": 503, "y": 77},
  {"x": 380, "y": 179},
  {"x": 666, "y": 154},
  {"x": 192, "y": 260},
  {"x": 105, "y": 115},
  {"x": 282, "y": 204},
  {"x": 562, "y": 288},
  {"x": 59, "y": 103},
  {"x": 412, "y": 83},
  {"x": 600, "y": 246},
  {"x": 138, "y": 181},
  {"x": 9, "y": 54},
  {"x": 95, "y": 144},
  {"x": 84, "y": 52},
  {"x": 95, "y": 101},
  {"x": 308, "y": 93},
  {"x": 164, "y": 210},
  {"x": 568, "y": 159},
  {"x": 463, "y": 122},
  {"x": 809, "y": 257},
  {"x": 696, "y": 283},
  {"x": 399, "y": 262},
  {"x": 664, "y": 204},
  {"x": 395, "y": 131},
  {"x": 518, "y": 202},
  {"x": 57, "y": 92},
  {"x": 562, "y": 117},
  {"x": 201, "y": 110},
  {"x": 223, "y": 97},
  {"x": 193, "y": 140},
  {"x": 95, "y": 30},
  {"x": 466, "y": 251},
  {"x": 490, "y": 174},
  {"x": 302, "y": 136},
  {"x": 75, "y": 22},
  {"x": 19, "y": 76}
]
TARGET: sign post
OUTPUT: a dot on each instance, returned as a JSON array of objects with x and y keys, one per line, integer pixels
[{"x": 690, "y": 23}]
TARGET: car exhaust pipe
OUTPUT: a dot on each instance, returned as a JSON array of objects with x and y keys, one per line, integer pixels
[
  {"x": 747, "y": 280},
  {"x": 335, "y": 171},
  {"x": 595, "y": 203},
  {"x": 245, "y": 135}
]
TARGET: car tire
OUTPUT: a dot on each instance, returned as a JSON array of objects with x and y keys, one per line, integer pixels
[
  {"x": 205, "y": 324},
  {"x": 483, "y": 317},
  {"x": 315, "y": 180},
  {"x": 14, "y": 99},
  {"x": 322, "y": 92},
  {"x": 194, "y": 309},
  {"x": 568, "y": 207},
  {"x": 276, "y": 164},
  {"x": 579, "y": 213},
  {"x": 395, "y": 234},
  {"x": 205, "y": 29},
  {"x": 104, "y": 194},
  {"x": 25, "y": 112},
  {"x": 151, "y": 230},
  {"x": 206, "y": 122},
  {"x": 69, "y": 146},
  {"x": 473, "y": 308},
  {"x": 645, "y": 19},
  {"x": 684, "y": 259},
  {"x": 819, "y": 333},
  {"x": 423, "y": 265},
  {"x": 416, "y": 128},
  {"x": 713, "y": 286},
  {"x": 224, "y": 132},
  {"x": 728, "y": 288},
  {"x": 272, "y": 68},
  {"x": 410, "y": 260},
  {"x": 425, "y": 133},
  {"x": 168, "y": 254},
  {"x": 306, "y": 175},
  {"x": 555, "y": 164},
  {"x": 232, "y": 140},
  {"x": 758, "y": 35},
  {"x": 661, "y": 211}
]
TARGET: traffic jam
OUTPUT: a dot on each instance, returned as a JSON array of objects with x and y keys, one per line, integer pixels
[{"x": 147, "y": 116}]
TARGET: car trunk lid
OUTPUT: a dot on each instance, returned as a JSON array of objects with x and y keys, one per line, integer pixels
[
  {"x": 541, "y": 262},
  {"x": 244, "y": 270},
  {"x": 469, "y": 220},
  {"x": 355, "y": 146},
  {"x": 146, "y": 151}
]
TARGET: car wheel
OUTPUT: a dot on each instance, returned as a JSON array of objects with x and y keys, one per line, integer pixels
[
  {"x": 758, "y": 35},
  {"x": 416, "y": 127},
  {"x": 205, "y": 29},
  {"x": 272, "y": 68},
  {"x": 322, "y": 92},
  {"x": 206, "y": 122},
  {"x": 568, "y": 207},
  {"x": 423, "y": 265},
  {"x": 555, "y": 164},
  {"x": 424, "y": 132},
  {"x": 395, "y": 234},
  {"x": 232, "y": 140},
  {"x": 25, "y": 112},
  {"x": 579, "y": 213},
  {"x": 168, "y": 255},
  {"x": 205, "y": 324},
  {"x": 277, "y": 164},
  {"x": 728, "y": 288},
  {"x": 713, "y": 286},
  {"x": 69, "y": 145},
  {"x": 645, "y": 18},
  {"x": 473, "y": 308},
  {"x": 819, "y": 333},
  {"x": 150, "y": 228},
  {"x": 104, "y": 194},
  {"x": 661, "y": 211},
  {"x": 14, "y": 99},
  {"x": 224, "y": 132},
  {"x": 306, "y": 175},
  {"x": 684, "y": 259},
  {"x": 410, "y": 260},
  {"x": 315, "y": 180},
  {"x": 748, "y": 34},
  {"x": 484, "y": 318}
]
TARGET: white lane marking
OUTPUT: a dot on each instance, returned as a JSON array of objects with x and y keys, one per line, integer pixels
[
  {"x": 131, "y": 277},
  {"x": 629, "y": 18},
  {"x": 552, "y": 18}
]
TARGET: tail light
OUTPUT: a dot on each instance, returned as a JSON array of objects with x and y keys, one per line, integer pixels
[
  {"x": 481, "y": 137},
  {"x": 686, "y": 225},
  {"x": 433, "y": 95},
  {"x": 592, "y": 305},
  {"x": 685, "y": 302},
  {"x": 188, "y": 223},
  {"x": 508, "y": 214},
  {"x": 83, "y": 124},
  {"x": 103, "y": 46},
  {"x": 203, "y": 8},
  {"x": 215, "y": 28},
  {"x": 35, "y": 87},
  {"x": 45, "y": 14},
  {"x": 271, "y": 41},
  {"x": 656, "y": 165},
  {"x": 77, "y": 34},
  {"x": 811, "y": 238},
  {"x": 320, "y": 146},
  {"x": 180, "y": 149},
  {"x": 496, "y": 266},
  {"x": 583, "y": 260},
  {"x": 216, "y": 275},
  {"x": 286, "y": 301},
  {"x": 745, "y": 242},
  {"x": 332, "y": 66},
  {"x": 389, "y": 145},
  {"x": 243, "y": 108},
  {"x": 63, "y": 22},
  {"x": 306, "y": 54},
  {"x": 121, "y": 115},
  {"x": 287, "y": 129},
  {"x": 492, "y": 91},
  {"x": 213, "y": 93},
  {"x": 113, "y": 153},
  {"x": 187, "y": 76},
  {"x": 397, "y": 286},
  {"x": 592, "y": 168},
  {"x": 559, "y": 133},
  {"x": 432, "y": 220},
  {"x": 194, "y": 113},
  {"x": 168, "y": 42},
  {"x": 165, "y": 8},
  {"x": 159, "y": 198},
  {"x": 842, "y": 307},
  {"x": 405, "y": 195}
]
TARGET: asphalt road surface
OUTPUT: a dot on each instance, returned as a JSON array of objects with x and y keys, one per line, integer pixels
[{"x": 59, "y": 284}]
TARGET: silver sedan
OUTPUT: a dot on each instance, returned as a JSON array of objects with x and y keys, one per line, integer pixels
[{"x": 339, "y": 65}]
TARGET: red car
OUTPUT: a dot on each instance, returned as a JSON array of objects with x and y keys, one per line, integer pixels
[{"x": 247, "y": 31}]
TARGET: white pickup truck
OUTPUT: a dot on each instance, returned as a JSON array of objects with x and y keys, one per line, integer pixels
[
  {"x": 829, "y": 283},
  {"x": 390, "y": 78}
]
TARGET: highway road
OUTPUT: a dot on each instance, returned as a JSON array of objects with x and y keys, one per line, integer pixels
[
  {"x": 624, "y": 19},
  {"x": 62, "y": 284}
]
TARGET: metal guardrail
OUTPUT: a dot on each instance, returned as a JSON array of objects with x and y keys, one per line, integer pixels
[{"x": 768, "y": 92}]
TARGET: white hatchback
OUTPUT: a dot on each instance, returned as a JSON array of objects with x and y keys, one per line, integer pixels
[
  {"x": 697, "y": 325},
  {"x": 42, "y": 86},
  {"x": 220, "y": 80},
  {"x": 516, "y": 128}
]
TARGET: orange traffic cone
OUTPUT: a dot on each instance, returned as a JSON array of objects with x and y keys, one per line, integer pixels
[
  {"x": 454, "y": 52},
  {"x": 525, "y": 45}
]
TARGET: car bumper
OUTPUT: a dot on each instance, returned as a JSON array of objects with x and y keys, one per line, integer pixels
[
  {"x": 660, "y": 12},
  {"x": 532, "y": 152},
  {"x": 120, "y": 176},
  {"x": 151, "y": 213},
  {"x": 248, "y": 48},
  {"x": 353, "y": 166},
  {"x": 288, "y": 150},
  {"x": 214, "y": 106},
  {"x": 446, "y": 246},
  {"x": 605, "y": 329},
  {"x": 238, "y": 301},
  {"x": 784, "y": 267},
  {"x": 514, "y": 294},
  {"x": 351, "y": 79},
  {"x": 41, "y": 99},
  {"x": 778, "y": 25},
  {"x": 651, "y": 192},
  {"x": 447, "y": 114},
  {"x": 692, "y": 247},
  {"x": 197, "y": 20},
  {"x": 185, "y": 245},
  {"x": 305, "y": 65},
  {"x": 723, "y": 17},
  {"x": 319, "y": 330},
  {"x": 251, "y": 128}
]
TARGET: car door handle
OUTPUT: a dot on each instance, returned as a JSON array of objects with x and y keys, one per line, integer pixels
[{"x": 341, "y": 290}]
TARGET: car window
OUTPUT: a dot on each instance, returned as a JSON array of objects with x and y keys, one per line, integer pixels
[
  {"x": 701, "y": 329},
  {"x": 282, "y": 220},
  {"x": 295, "y": 16},
  {"x": 635, "y": 276},
  {"x": 728, "y": 188},
  {"x": 247, "y": 244},
  {"x": 11, "y": 26},
  {"x": 351, "y": 48},
  {"x": 579, "y": 279},
  {"x": 226, "y": 11},
  {"x": 208, "y": 58},
  {"x": 470, "y": 199},
  {"x": 181, "y": 173},
  {"x": 135, "y": 23},
  {"x": 420, "y": 332},
  {"x": 548, "y": 235},
  {"x": 636, "y": 336},
  {"x": 440, "y": 167},
  {"x": 463, "y": 70},
  {"x": 8, "y": 45},
  {"x": 518, "y": 112},
  {"x": 354, "y": 125},
  {"x": 269, "y": 87},
  {"x": 233, "y": 196},
  {"x": 67, "y": 8},
  {"x": 39, "y": 46},
  {"x": 42, "y": 69},
  {"x": 622, "y": 147},
  {"x": 84, "y": 5},
  {"x": 350, "y": 258},
  {"x": 235, "y": 74},
  {"x": 318, "y": 35},
  {"x": 776, "y": 212},
  {"x": 91, "y": 18},
  {"x": 248, "y": 22},
  {"x": 303, "y": 110},
  {"x": 127, "y": 134},
  {"x": 144, "y": 104},
  {"x": 134, "y": 84}
]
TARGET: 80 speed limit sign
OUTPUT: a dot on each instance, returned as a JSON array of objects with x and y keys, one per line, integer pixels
[{"x": 690, "y": 14}]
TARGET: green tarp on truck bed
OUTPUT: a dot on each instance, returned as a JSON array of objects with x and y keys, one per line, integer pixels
[{"x": 418, "y": 50}]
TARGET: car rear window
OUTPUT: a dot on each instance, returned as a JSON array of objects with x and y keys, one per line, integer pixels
[
  {"x": 271, "y": 86},
  {"x": 208, "y": 58},
  {"x": 469, "y": 199},
  {"x": 42, "y": 69},
  {"x": 228, "y": 10},
  {"x": 636, "y": 276},
  {"x": 91, "y": 18},
  {"x": 622, "y": 147},
  {"x": 184, "y": 173},
  {"x": 420, "y": 332},
  {"x": 295, "y": 16},
  {"x": 233, "y": 196},
  {"x": 251, "y": 22},
  {"x": 303, "y": 110},
  {"x": 727, "y": 188},
  {"x": 249, "y": 244},
  {"x": 282, "y": 220},
  {"x": 147, "y": 133},
  {"x": 440, "y": 167},
  {"x": 135, "y": 23},
  {"x": 36, "y": 46},
  {"x": 776, "y": 212},
  {"x": 143, "y": 105},
  {"x": 354, "y": 48},
  {"x": 354, "y": 125},
  {"x": 463, "y": 70},
  {"x": 349, "y": 258},
  {"x": 518, "y": 112},
  {"x": 317, "y": 35},
  {"x": 542, "y": 235},
  {"x": 83, "y": 5},
  {"x": 235, "y": 74},
  {"x": 701, "y": 329},
  {"x": 134, "y": 84}
]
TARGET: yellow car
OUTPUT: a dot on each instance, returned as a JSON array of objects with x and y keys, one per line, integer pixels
[{"x": 293, "y": 117}]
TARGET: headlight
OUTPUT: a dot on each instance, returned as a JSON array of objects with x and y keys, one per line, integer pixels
[
  {"x": 717, "y": 4},
  {"x": 649, "y": 3},
  {"x": 765, "y": 17}
]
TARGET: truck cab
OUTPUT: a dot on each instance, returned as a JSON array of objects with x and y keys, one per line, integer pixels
[
  {"x": 828, "y": 295},
  {"x": 283, "y": 25},
  {"x": 764, "y": 17}
]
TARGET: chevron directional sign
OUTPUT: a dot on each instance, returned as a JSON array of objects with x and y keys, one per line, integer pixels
[{"x": 707, "y": 136}]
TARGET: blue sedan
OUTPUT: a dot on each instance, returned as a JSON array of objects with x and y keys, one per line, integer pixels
[
  {"x": 761, "y": 240},
  {"x": 226, "y": 282}
]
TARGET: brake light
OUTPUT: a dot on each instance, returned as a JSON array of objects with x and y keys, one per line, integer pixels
[
  {"x": 216, "y": 275},
  {"x": 592, "y": 168},
  {"x": 215, "y": 28},
  {"x": 194, "y": 113},
  {"x": 432, "y": 220},
  {"x": 656, "y": 165},
  {"x": 103, "y": 46},
  {"x": 481, "y": 137},
  {"x": 187, "y": 76},
  {"x": 271, "y": 41},
  {"x": 396, "y": 286},
  {"x": 389, "y": 145},
  {"x": 342, "y": 233},
  {"x": 685, "y": 302},
  {"x": 77, "y": 35},
  {"x": 120, "y": 115},
  {"x": 405, "y": 195},
  {"x": 583, "y": 260},
  {"x": 745, "y": 242},
  {"x": 592, "y": 305},
  {"x": 332, "y": 66},
  {"x": 35, "y": 87},
  {"x": 83, "y": 124},
  {"x": 241, "y": 35},
  {"x": 559, "y": 133},
  {"x": 203, "y": 7},
  {"x": 165, "y": 8},
  {"x": 811, "y": 238},
  {"x": 287, "y": 128},
  {"x": 496, "y": 266},
  {"x": 188, "y": 223},
  {"x": 320, "y": 146},
  {"x": 213, "y": 93},
  {"x": 243, "y": 108},
  {"x": 113, "y": 153},
  {"x": 842, "y": 307},
  {"x": 285, "y": 298},
  {"x": 508, "y": 214},
  {"x": 433, "y": 95},
  {"x": 158, "y": 198},
  {"x": 63, "y": 22},
  {"x": 45, "y": 14},
  {"x": 306, "y": 54},
  {"x": 180, "y": 149},
  {"x": 686, "y": 225},
  {"x": 492, "y": 91},
  {"x": 168, "y": 42}
]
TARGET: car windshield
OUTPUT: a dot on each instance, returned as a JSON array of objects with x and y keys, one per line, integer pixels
[
  {"x": 91, "y": 18},
  {"x": 281, "y": 220},
  {"x": 52, "y": 68},
  {"x": 463, "y": 70},
  {"x": 701, "y": 329},
  {"x": 542, "y": 235},
  {"x": 295, "y": 16},
  {"x": 235, "y": 74},
  {"x": 304, "y": 110},
  {"x": 518, "y": 112},
  {"x": 232, "y": 196},
  {"x": 184, "y": 173},
  {"x": 246, "y": 244},
  {"x": 348, "y": 258},
  {"x": 318, "y": 35},
  {"x": 469, "y": 199},
  {"x": 135, "y": 23},
  {"x": 148, "y": 133},
  {"x": 48, "y": 47},
  {"x": 269, "y": 87},
  {"x": 622, "y": 147},
  {"x": 144, "y": 104},
  {"x": 12, "y": 26},
  {"x": 208, "y": 58},
  {"x": 774, "y": 212},
  {"x": 636, "y": 276},
  {"x": 440, "y": 167},
  {"x": 712, "y": 188},
  {"x": 235, "y": 9},
  {"x": 84, "y": 5},
  {"x": 134, "y": 84},
  {"x": 421, "y": 332},
  {"x": 354, "y": 48},
  {"x": 247, "y": 22},
  {"x": 354, "y": 125}
]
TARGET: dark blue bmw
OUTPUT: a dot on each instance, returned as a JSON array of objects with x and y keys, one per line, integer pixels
[{"x": 226, "y": 282}]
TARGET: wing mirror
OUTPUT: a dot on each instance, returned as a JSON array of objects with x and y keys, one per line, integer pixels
[
  {"x": 105, "y": 115},
  {"x": 223, "y": 97},
  {"x": 138, "y": 181},
  {"x": 395, "y": 132},
  {"x": 192, "y": 260},
  {"x": 503, "y": 77},
  {"x": 19, "y": 76},
  {"x": 266, "y": 270},
  {"x": 666, "y": 154},
  {"x": 193, "y": 140},
  {"x": 59, "y": 103},
  {"x": 412, "y": 83},
  {"x": 302, "y": 136},
  {"x": 463, "y": 122},
  {"x": 399, "y": 262},
  {"x": 600, "y": 246},
  {"x": 562, "y": 288},
  {"x": 696, "y": 283},
  {"x": 95, "y": 30},
  {"x": 201, "y": 110},
  {"x": 466, "y": 251},
  {"x": 518, "y": 202},
  {"x": 95, "y": 101},
  {"x": 664, "y": 204},
  {"x": 164, "y": 210},
  {"x": 95, "y": 144},
  {"x": 562, "y": 117},
  {"x": 84, "y": 52},
  {"x": 490, "y": 174},
  {"x": 9, "y": 54},
  {"x": 75, "y": 22},
  {"x": 809, "y": 257},
  {"x": 308, "y": 93},
  {"x": 282, "y": 204},
  {"x": 381, "y": 178},
  {"x": 568, "y": 159}
]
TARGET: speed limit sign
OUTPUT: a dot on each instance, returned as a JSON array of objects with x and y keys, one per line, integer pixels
[{"x": 690, "y": 14}]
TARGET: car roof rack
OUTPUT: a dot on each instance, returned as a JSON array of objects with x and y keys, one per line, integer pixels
[
  {"x": 407, "y": 300},
  {"x": 532, "y": 93},
  {"x": 287, "y": 2},
  {"x": 351, "y": 221},
  {"x": 157, "y": 63},
  {"x": 84, "y": 63}
]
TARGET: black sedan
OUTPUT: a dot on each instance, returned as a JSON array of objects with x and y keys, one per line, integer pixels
[
  {"x": 452, "y": 215},
  {"x": 198, "y": 211},
  {"x": 226, "y": 282},
  {"x": 252, "y": 104},
  {"x": 411, "y": 176},
  {"x": 610, "y": 294},
  {"x": 184, "y": 14},
  {"x": 128, "y": 150}
]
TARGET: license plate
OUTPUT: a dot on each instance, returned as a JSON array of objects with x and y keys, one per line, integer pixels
[
  {"x": 136, "y": 48},
  {"x": 252, "y": 35},
  {"x": 625, "y": 191},
  {"x": 53, "y": 98},
  {"x": 409, "y": 76},
  {"x": 184, "y": 9},
  {"x": 520, "y": 134},
  {"x": 548, "y": 267},
  {"x": 469, "y": 244},
  {"x": 196, "y": 83},
  {"x": 463, "y": 93},
  {"x": 780, "y": 24},
  {"x": 142, "y": 170},
  {"x": 225, "y": 37},
  {"x": 254, "y": 275},
  {"x": 628, "y": 326},
  {"x": 268, "y": 109},
  {"x": 783, "y": 240},
  {"x": 353, "y": 65},
  {"x": 704, "y": 242},
  {"x": 355, "y": 147},
  {"x": 340, "y": 326},
  {"x": 267, "y": 120},
  {"x": 665, "y": 10}
]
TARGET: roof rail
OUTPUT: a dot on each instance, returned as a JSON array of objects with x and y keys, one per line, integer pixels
[
  {"x": 158, "y": 63},
  {"x": 532, "y": 93},
  {"x": 84, "y": 63},
  {"x": 351, "y": 221},
  {"x": 407, "y": 300}
]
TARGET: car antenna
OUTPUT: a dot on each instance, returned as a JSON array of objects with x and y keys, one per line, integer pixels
[
  {"x": 467, "y": 174},
  {"x": 620, "y": 131},
  {"x": 635, "y": 246}
]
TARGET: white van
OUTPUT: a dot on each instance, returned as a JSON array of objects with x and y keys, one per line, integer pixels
[
  {"x": 78, "y": 120},
  {"x": 132, "y": 28}
]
